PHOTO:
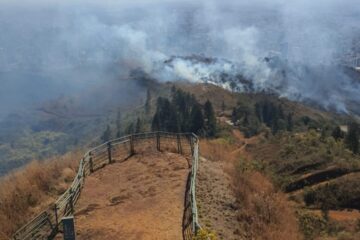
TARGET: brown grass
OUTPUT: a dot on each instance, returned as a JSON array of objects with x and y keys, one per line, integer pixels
[
  {"x": 263, "y": 212},
  {"x": 217, "y": 150},
  {"x": 26, "y": 192}
]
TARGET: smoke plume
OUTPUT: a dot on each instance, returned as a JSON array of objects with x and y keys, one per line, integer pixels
[{"x": 293, "y": 48}]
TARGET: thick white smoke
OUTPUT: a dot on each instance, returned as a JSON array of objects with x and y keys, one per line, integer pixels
[{"x": 288, "y": 47}]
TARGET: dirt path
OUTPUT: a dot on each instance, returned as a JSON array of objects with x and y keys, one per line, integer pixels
[
  {"x": 216, "y": 200},
  {"x": 139, "y": 199}
]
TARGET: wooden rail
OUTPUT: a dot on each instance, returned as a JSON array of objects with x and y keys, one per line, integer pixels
[{"x": 47, "y": 224}]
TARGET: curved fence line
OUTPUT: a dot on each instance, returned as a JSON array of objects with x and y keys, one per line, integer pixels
[{"x": 48, "y": 223}]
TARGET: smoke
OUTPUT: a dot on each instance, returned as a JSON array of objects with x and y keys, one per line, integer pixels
[{"x": 292, "y": 48}]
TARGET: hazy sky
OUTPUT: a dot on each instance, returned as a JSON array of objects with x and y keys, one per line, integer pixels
[{"x": 70, "y": 45}]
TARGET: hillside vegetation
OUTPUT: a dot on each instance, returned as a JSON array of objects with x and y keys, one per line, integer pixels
[
  {"x": 258, "y": 211},
  {"x": 304, "y": 152},
  {"x": 26, "y": 192},
  {"x": 67, "y": 123},
  {"x": 291, "y": 167}
]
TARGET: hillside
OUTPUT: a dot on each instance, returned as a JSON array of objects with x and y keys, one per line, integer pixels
[
  {"x": 172, "y": 119},
  {"x": 56, "y": 126},
  {"x": 60, "y": 125},
  {"x": 254, "y": 177}
]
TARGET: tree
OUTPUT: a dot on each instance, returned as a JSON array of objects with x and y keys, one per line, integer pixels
[
  {"x": 258, "y": 112},
  {"x": 197, "y": 119},
  {"x": 130, "y": 129},
  {"x": 273, "y": 116},
  {"x": 165, "y": 118},
  {"x": 148, "y": 102},
  {"x": 138, "y": 126},
  {"x": 155, "y": 125},
  {"x": 106, "y": 135},
  {"x": 234, "y": 116},
  {"x": 223, "y": 106},
  {"x": 210, "y": 125},
  {"x": 337, "y": 133},
  {"x": 290, "y": 123},
  {"x": 182, "y": 102},
  {"x": 352, "y": 138}
]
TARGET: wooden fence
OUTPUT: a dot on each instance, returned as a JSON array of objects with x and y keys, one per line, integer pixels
[{"x": 48, "y": 223}]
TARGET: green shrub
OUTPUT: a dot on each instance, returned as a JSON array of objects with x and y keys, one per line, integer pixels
[
  {"x": 204, "y": 234},
  {"x": 311, "y": 225},
  {"x": 309, "y": 196}
]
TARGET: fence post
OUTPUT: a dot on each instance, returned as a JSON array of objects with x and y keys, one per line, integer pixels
[
  {"x": 158, "y": 141},
  {"x": 82, "y": 173},
  {"x": 179, "y": 144},
  {"x": 132, "y": 151},
  {"x": 69, "y": 228},
  {"x": 91, "y": 163},
  {"x": 109, "y": 152},
  {"x": 192, "y": 145}
]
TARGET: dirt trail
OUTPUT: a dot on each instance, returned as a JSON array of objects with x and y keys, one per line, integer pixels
[
  {"x": 216, "y": 200},
  {"x": 215, "y": 195},
  {"x": 244, "y": 143},
  {"x": 140, "y": 199}
]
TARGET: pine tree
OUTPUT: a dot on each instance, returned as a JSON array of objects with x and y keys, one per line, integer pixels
[
  {"x": 273, "y": 116},
  {"x": 290, "y": 123},
  {"x": 148, "y": 102},
  {"x": 234, "y": 116},
  {"x": 197, "y": 120},
  {"x": 280, "y": 111},
  {"x": 223, "y": 106},
  {"x": 130, "y": 129},
  {"x": 182, "y": 102},
  {"x": 352, "y": 138},
  {"x": 337, "y": 133},
  {"x": 155, "y": 125},
  {"x": 165, "y": 118},
  {"x": 210, "y": 119},
  {"x": 139, "y": 126},
  {"x": 258, "y": 112},
  {"x": 106, "y": 135}
]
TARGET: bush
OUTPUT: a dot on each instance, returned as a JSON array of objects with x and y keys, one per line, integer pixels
[
  {"x": 311, "y": 225},
  {"x": 204, "y": 234},
  {"x": 309, "y": 196}
]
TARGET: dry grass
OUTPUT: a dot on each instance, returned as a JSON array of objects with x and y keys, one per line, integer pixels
[
  {"x": 24, "y": 193},
  {"x": 263, "y": 212},
  {"x": 217, "y": 150}
]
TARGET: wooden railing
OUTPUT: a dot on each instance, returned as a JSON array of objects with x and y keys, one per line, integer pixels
[{"x": 48, "y": 223}]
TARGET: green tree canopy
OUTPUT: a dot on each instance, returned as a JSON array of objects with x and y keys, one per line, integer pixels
[
  {"x": 352, "y": 138},
  {"x": 209, "y": 114}
]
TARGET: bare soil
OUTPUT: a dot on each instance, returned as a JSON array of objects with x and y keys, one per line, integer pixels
[
  {"x": 344, "y": 215},
  {"x": 141, "y": 198}
]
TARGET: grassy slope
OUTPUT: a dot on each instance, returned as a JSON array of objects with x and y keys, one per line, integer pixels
[
  {"x": 269, "y": 156},
  {"x": 26, "y": 192},
  {"x": 288, "y": 157}
]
